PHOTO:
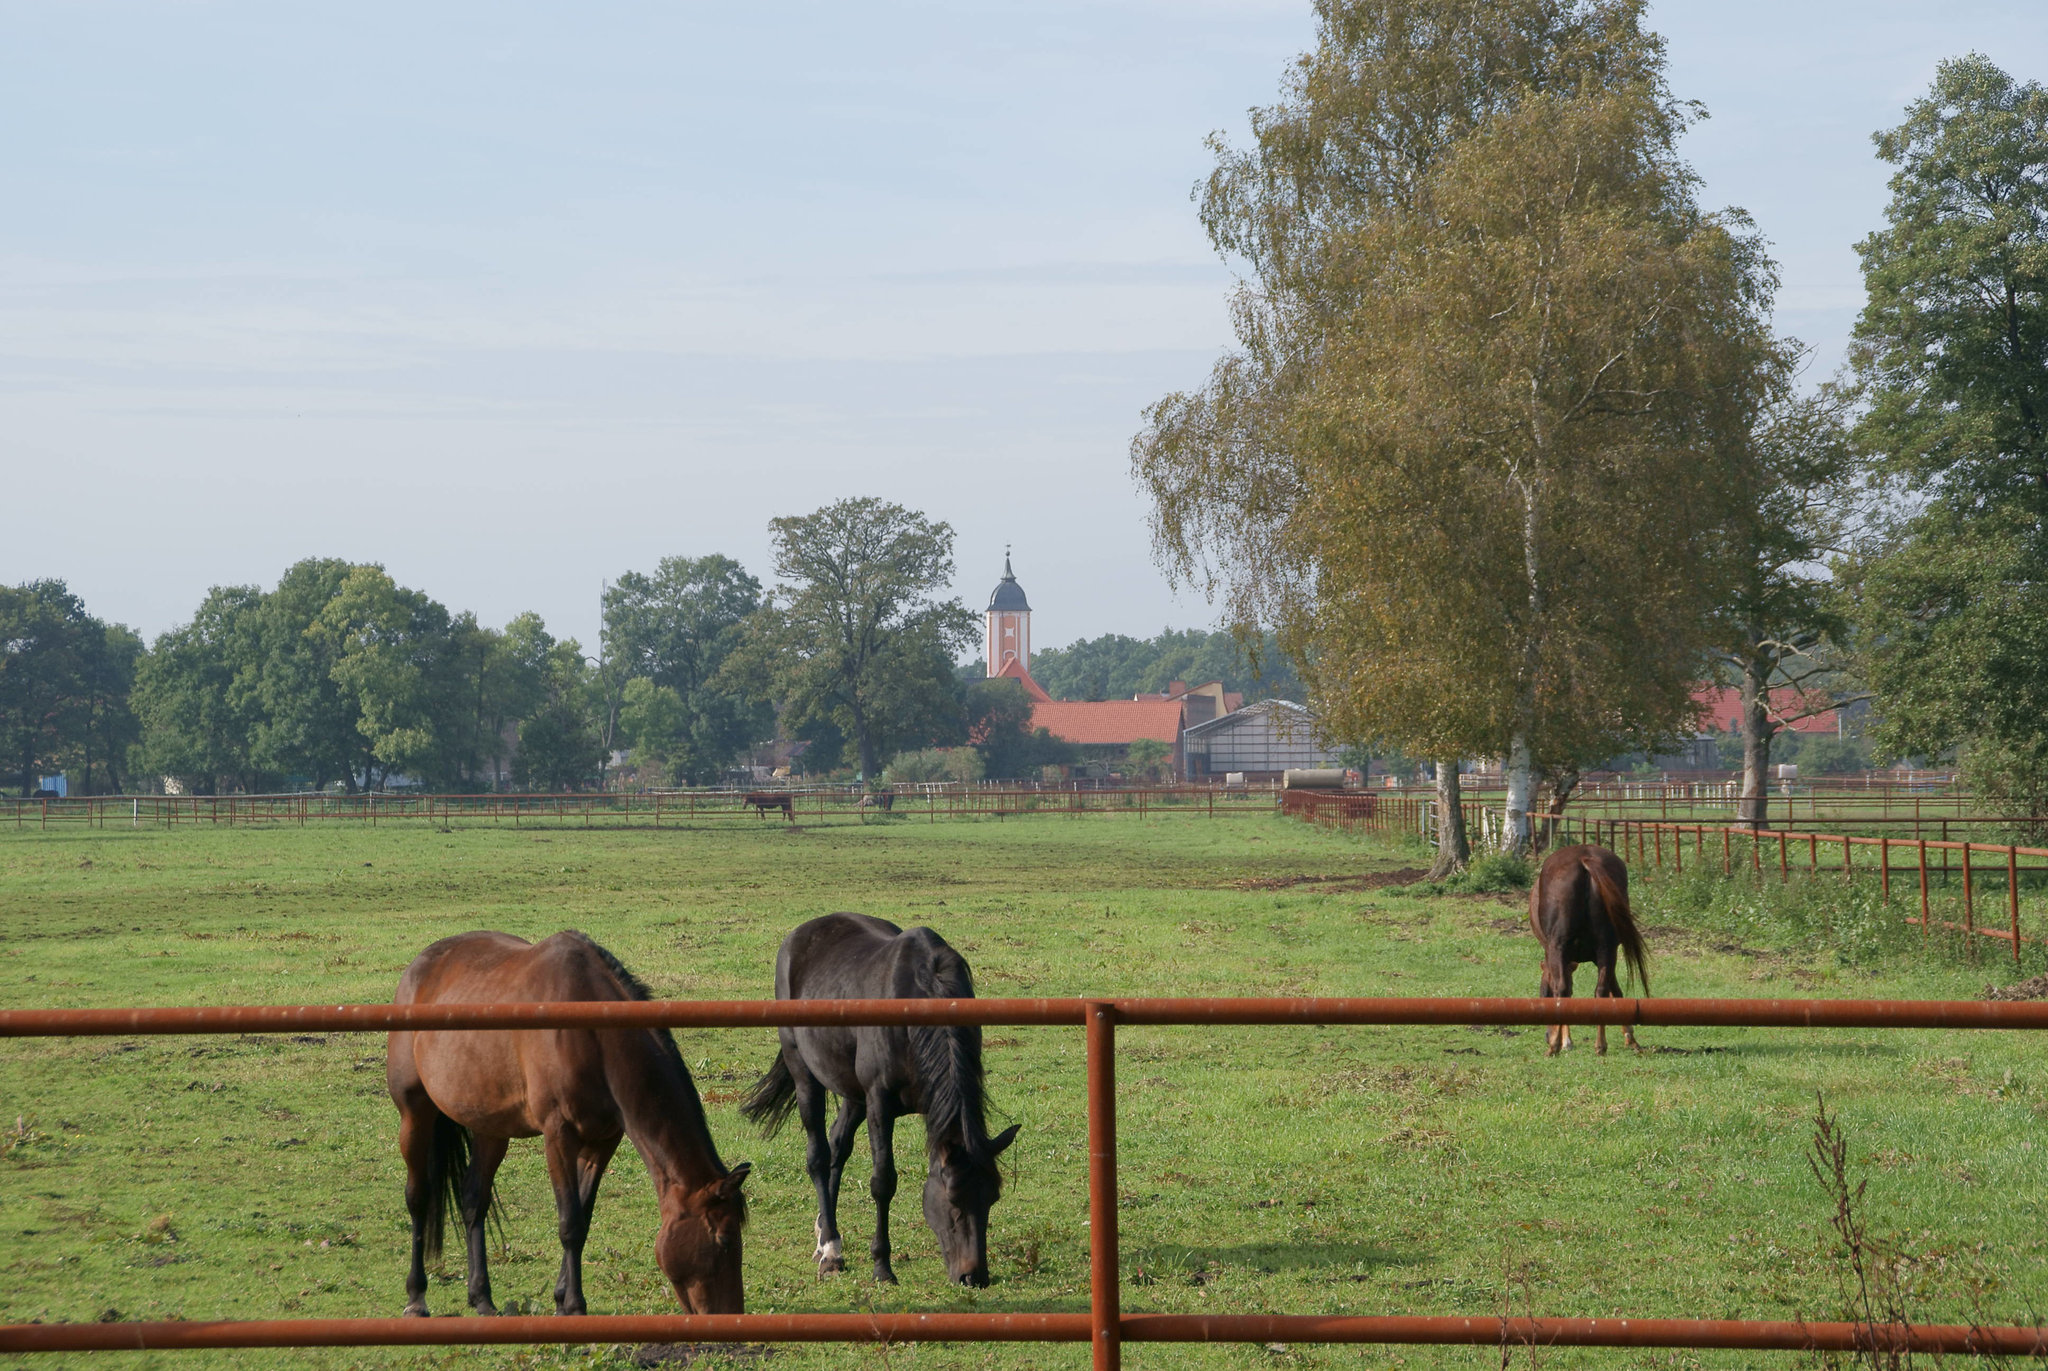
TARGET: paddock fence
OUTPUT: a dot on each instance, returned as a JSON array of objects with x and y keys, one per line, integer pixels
[
  {"x": 617, "y": 809},
  {"x": 1105, "y": 1324},
  {"x": 1936, "y": 855}
]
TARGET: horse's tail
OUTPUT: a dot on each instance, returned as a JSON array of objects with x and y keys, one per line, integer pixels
[
  {"x": 1614, "y": 898},
  {"x": 447, "y": 1168},
  {"x": 769, "y": 1103}
]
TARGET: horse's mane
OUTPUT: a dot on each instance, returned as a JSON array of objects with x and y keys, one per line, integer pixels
[{"x": 948, "y": 1057}]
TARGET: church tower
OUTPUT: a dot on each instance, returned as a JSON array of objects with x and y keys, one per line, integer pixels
[{"x": 1009, "y": 624}]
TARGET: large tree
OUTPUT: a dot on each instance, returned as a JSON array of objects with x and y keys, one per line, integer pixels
[
  {"x": 1952, "y": 354},
  {"x": 197, "y": 723},
  {"x": 306, "y": 723},
  {"x": 48, "y": 649},
  {"x": 674, "y": 630},
  {"x": 1785, "y": 621},
  {"x": 1478, "y": 448},
  {"x": 857, "y": 634}
]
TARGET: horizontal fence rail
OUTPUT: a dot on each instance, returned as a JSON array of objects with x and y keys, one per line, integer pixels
[
  {"x": 1105, "y": 1326},
  {"x": 653, "y": 809}
]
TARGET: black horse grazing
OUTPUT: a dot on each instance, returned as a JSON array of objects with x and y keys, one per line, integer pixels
[
  {"x": 881, "y": 1074},
  {"x": 1579, "y": 909}
]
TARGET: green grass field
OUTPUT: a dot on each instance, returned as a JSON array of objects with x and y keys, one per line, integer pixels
[{"x": 1263, "y": 1169}]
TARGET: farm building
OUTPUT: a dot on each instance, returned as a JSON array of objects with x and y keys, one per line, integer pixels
[{"x": 1261, "y": 740}]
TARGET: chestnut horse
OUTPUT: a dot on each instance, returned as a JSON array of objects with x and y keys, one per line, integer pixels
[
  {"x": 881, "y": 1074},
  {"x": 462, "y": 1095},
  {"x": 765, "y": 800},
  {"x": 1579, "y": 909}
]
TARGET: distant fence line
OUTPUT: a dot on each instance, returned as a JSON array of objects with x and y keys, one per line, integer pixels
[{"x": 658, "y": 809}]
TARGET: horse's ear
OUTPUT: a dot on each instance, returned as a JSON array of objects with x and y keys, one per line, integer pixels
[
  {"x": 730, "y": 1186},
  {"x": 1002, "y": 1140}
]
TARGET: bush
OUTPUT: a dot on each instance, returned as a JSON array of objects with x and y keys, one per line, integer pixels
[
  {"x": 1490, "y": 873},
  {"x": 962, "y": 764}
]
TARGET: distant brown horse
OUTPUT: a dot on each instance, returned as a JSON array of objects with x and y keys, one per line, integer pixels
[
  {"x": 462, "y": 1096},
  {"x": 1579, "y": 909},
  {"x": 764, "y": 800}
]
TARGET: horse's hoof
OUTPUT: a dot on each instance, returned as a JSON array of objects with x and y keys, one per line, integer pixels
[
  {"x": 562, "y": 1309},
  {"x": 884, "y": 1275},
  {"x": 417, "y": 1310},
  {"x": 486, "y": 1310},
  {"x": 831, "y": 1266}
]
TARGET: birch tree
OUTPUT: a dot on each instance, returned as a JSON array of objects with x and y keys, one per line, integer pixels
[{"x": 1479, "y": 451}]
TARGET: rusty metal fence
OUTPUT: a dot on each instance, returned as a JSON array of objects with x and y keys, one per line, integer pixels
[{"x": 1104, "y": 1325}]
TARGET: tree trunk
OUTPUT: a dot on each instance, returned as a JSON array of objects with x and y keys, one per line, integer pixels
[
  {"x": 1562, "y": 784},
  {"x": 1453, "y": 851},
  {"x": 1516, "y": 836},
  {"x": 1754, "y": 808}
]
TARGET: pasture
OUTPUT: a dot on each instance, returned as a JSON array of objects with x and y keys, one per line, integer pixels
[{"x": 1263, "y": 1169}]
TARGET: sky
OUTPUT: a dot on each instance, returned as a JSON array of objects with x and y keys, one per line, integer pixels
[{"x": 512, "y": 298}]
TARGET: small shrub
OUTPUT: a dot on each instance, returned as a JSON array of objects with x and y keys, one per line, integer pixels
[{"x": 1489, "y": 874}]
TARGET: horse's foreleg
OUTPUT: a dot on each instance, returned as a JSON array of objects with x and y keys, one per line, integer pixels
[
  {"x": 485, "y": 1155},
  {"x": 882, "y": 1185},
  {"x": 566, "y": 1173},
  {"x": 416, "y": 1145}
]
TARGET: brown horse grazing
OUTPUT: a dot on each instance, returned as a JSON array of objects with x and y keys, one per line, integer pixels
[
  {"x": 462, "y": 1096},
  {"x": 1579, "y": 909},
  {"x": 764, "y": 800},
  {"x": 880, "y": 1074}
]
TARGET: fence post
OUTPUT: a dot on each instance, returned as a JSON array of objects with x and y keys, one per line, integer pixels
[
  {"x": 1969, "y": 902},
  {"x": 2012, "y": 897},
  {"x": 1884, "y": 861},
  {"x": 1922, "y": 844},
  {"x": 1727, "y": 863},
  {"x": 1845, "y": 857},
  {"x": 1103, "y": 1277},
  {"x": 1784, "y": 862}
]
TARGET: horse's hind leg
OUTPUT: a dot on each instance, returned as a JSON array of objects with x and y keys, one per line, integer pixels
[
  {"x": 1609, "y": 986},
  {"x": 485, "y": 1156},
  {"x": 1556, "y": 984},
  {"x": 416, "y": 1120},
  {"x": 824, "y": 1158}
]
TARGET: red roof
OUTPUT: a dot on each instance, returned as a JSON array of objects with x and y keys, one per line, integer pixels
[
  {"x": 1109, "y": 721},
  {"x": 1721, "y": 708},
  {"x": 1015, "y": 671}
]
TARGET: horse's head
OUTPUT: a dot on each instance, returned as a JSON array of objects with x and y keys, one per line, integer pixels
[
  {"x": 699, "y": 1245},
  {"x": 958, "y": 1192}
]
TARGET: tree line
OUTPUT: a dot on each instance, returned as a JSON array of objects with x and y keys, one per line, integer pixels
[
  {"x": 338, "y": 676},
  {"x": 1509, "y": 456}
]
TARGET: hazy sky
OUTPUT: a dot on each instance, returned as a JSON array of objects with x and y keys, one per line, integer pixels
[{"x": 512, "y": 298}]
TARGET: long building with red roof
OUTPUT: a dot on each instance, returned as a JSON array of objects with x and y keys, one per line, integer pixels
[{"x": 1103, "y": 729}]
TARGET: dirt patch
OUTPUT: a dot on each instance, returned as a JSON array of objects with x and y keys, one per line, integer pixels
[
  {"x": 1407, "y": 875},
  {"x": 2035, "y": 988},
  {"x": 1509, "y": 928}
]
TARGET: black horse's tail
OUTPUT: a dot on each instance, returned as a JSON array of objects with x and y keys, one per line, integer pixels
[
  {"x": 1614, "y": 898},
  {"x": 769, "y": 1103},
  {"x": 447, "y": 1170}
]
